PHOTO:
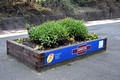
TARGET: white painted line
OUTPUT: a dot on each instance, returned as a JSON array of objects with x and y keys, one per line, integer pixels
[
  {"x": 13, "y": 34},
  {"x": 98, "y": 22}
]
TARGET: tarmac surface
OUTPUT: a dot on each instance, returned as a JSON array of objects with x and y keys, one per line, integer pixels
[{"x": 102, "y": 66}]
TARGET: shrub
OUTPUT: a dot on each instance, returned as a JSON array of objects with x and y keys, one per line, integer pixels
[
  {"x": 56, "y": 33},
  {"x": 74, "y": 27},
  {"x": 26, "y": 16},
  {"x": 86, "y": 2},
  {"x": 48, "y": 33},
  {"x": 65, "y": 6}
]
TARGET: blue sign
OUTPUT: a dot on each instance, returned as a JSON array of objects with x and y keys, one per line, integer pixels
[{"x": 73, "y": 51}]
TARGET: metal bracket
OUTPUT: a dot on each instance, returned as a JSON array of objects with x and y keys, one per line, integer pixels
[
  {"x": 40, "y": 66},
  {"x": 40, "y": 57}
]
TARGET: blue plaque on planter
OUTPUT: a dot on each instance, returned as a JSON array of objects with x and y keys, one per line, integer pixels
[{"x": 73, "y": 51}]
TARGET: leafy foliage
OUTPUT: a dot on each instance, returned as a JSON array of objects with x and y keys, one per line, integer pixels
[
  {"x": 48, "y": 33},
  {"x": 22, "y": 7},
  {"x": 38, "y": 47},
  {"x": 21, "y": 40},
  {"x": 27, "y": 26},
  {"x": 28, "y": 8},
  {"x": 53, "y": 33},
  {"x": 74, "y": 27},
  {"x": 26, "y": 16},
  {"x": 92, "y": 36},
  {"x": 66, "y": 6},
  {"x": 86, "y": 2}
]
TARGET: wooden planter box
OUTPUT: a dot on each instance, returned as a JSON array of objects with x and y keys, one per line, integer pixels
[{"x": 38, "y": 59}]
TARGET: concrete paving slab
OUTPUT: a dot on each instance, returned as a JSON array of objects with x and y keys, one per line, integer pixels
[{"x": 102, "y": 66}]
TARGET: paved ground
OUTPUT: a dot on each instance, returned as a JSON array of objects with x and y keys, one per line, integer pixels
[{"x": 103, "y": 66}]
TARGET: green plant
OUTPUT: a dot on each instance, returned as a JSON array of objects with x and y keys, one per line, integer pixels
[
  {"x": 48, "y": 33},
  {"x": 92, "y": 36},
  {"x": 21, "y": 40},
  {"x": 38, "y": 47},
  {"x": 71, "y": 40},
  {"x": 74, "y": 27},
  {"x": 65, "y": 6},
  {"x": 26, "y": 16},
  {"x": 1, "y": 17},
  {"x": 86, "y": 2},
  {"x": 27, "y": 26}
]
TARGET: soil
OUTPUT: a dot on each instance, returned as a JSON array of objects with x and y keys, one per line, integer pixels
[{"x": 31, "y": 44}]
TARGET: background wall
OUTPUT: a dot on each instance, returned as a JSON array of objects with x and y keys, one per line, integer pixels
[{"x": 19, "y": 22}]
